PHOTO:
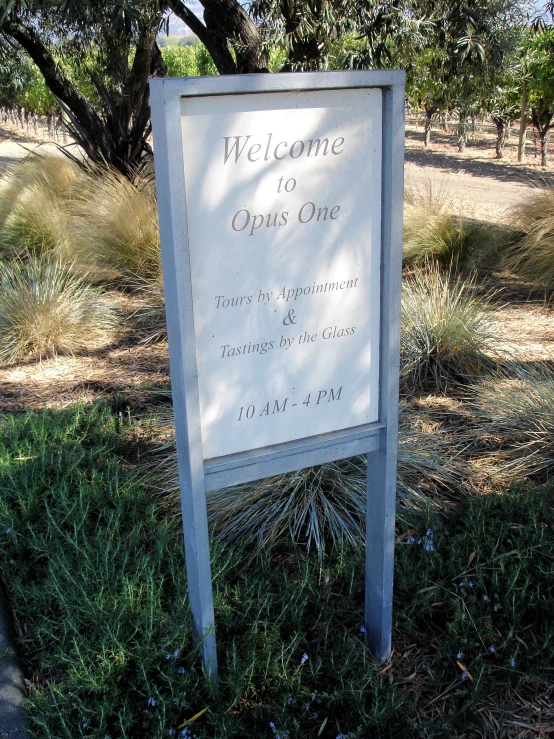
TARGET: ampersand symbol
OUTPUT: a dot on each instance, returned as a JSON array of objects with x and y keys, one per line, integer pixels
[{"x": 289, "y": 319}]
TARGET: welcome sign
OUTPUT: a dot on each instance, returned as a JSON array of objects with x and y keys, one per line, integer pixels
[
  {"x": 285, "y": 282},
  {"x": 280, "y": 203}
]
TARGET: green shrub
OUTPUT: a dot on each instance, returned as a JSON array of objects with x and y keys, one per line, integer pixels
[
  {"x": 447, "y": 333},
  {"x": 45, "y": 309},
  {"x": 188, "y": 61},
  {"x": 532, "y": 255},
  {"x": 97, "y": 584}
]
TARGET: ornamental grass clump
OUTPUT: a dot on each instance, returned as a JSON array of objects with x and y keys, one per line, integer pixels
[
  {"x": 516, "y": 415},
  {"x": 532, "y": 255},
  {"x": 36, "y": 206},
  {"x": 150, "y": 317},
  {"x": 433, "y": 232},
  {"x": 319, "y": 506},
  {"x": 116, "y": 227},
  {"x": 326, "y": 505},
  {"x": 447, "y": 333},
  {"x": 46, "y": 309}
]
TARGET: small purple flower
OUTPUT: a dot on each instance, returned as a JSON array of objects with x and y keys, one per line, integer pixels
[
  {"x": 512, "y": 662},
  {"x": 175, "y": 654},
  {"x": 168, "y": 656},
  {"x": 304, "y": 659},
  {"x": 362, "y": 629},
  {"x": 459, "y": 655},
  {"x": 464, "y": 675},
  {"x": 271, "y": 725},
  {"x": 485, "y": 597},
  {"x": 419, "y": 541},
  {"x": 171, "y": 732},
  {"x": 424, "y": 666},
  {"x": 462, "y": 583},
  {"x": 470, "y": 584},
  {"x": 181, "y": 671},
  {"x": 410, "y": 540},
  {"x": 8, "y": 531},
  {"x": 491, "y": 648},
  {"x": 151, "y": 702},
  {"x": 496, "y": 607}
]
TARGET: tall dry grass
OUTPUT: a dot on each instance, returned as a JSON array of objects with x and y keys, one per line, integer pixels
[
  {"x": 447, "y": 333},
  {"x": 115, "y": 228},
  {"x": 46, "y": 309},
  {"x": 36, "y": 206},
  {"x": 102, "y": 223},
  {"x": 435, "y": 230},
  {"x": 532, "y": 255}
]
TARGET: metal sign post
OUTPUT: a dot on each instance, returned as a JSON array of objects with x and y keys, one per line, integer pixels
[{"x": 280, "y": 205}]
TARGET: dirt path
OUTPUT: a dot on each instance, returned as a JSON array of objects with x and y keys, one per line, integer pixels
[
  {"x": 485, "y": 186},
  {"x": 16, "y": 144},
  {"x": 485, "y": 197}
]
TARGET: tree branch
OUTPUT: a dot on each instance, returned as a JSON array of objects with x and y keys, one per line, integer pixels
[
  {"x": 55, "y": 80},
  {"x": 230, "y": 19},
  {"x": 215, "y": 43},
  {"x": 226, "y": 21}
]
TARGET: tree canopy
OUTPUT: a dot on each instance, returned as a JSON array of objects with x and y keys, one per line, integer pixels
[{"x": 97, "y": 57}]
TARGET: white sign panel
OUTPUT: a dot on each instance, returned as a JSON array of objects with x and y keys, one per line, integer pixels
[{"x": 283, "y": 197}]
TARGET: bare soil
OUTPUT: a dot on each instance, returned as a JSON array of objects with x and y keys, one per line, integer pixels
[
  {"x": 16, "y": 143},
  {"x": 484, "y": 186},
  {"x": 125, "y": 371}
]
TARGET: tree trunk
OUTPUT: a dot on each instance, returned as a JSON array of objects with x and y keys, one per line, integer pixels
[
  {"x": 55, "y": 80},
  {"x": 462, "y": 133},
  {"x": 542, "y": 121},
  {"x": 544, "y": 147},
  {"x": 119, "y": 136},
  {"x": 430, "y": 111},
  {"x": 226, "y": 22},
  {"x": 427, "y": 136},
  {"x": 522, "y": 124},
  {"x": 501, "y": 129}
]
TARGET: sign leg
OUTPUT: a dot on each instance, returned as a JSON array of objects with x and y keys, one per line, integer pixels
[
  {"x": 381, "y": 486},
  {"x": 199, "y": 576}
]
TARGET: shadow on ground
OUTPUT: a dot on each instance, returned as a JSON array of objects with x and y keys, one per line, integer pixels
[{"x": 450, "y": 161}]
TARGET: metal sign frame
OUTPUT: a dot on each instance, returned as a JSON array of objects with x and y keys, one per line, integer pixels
[{"x": 378, "y": 440}]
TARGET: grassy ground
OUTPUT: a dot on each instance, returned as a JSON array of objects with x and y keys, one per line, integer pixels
[{"x": 95, "y": 574}]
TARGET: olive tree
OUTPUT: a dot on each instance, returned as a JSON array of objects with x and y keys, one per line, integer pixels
[{"x": 541, "y": 87}]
